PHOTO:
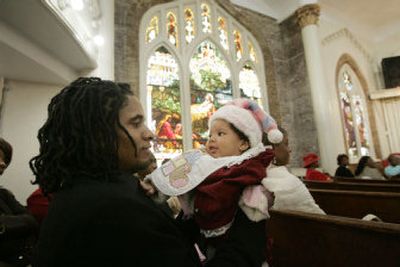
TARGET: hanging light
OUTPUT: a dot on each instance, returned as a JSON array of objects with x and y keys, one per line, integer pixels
[{"x": 98, "y": 40}]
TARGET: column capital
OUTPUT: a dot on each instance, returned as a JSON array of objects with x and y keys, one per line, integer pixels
[{"x": 308, "y": 15}]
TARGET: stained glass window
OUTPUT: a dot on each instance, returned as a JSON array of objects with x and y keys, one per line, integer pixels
[
  {"x": 152, "y": 30},
  {"x": 223, "y": 34},
  {"x": 205, "y": 18},
  {"x": 238, "y": 44},
  {"x": 193, "y": 71},
  {"x": 163, "y": 85},
  {"x": 355, "y": 122},
  {"x": 189, "y": 25},
  {"x": 210, "y": 88},
  {"x": 172, "y": 29},
  {"x": 252, "y": 53},
  {"x": 249, "y": 85}
]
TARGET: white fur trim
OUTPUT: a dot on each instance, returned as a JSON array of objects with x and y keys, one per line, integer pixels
[{"x": 242, "y": 119}]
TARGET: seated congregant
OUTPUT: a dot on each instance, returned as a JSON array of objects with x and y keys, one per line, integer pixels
[
  {"x": 392, "y": 171},
  {"x": 367, "y": 168},
  {"x": 311, "y": 162},
  {"x": 342, "y": 170},
  {"x": 17, "y": 228}
]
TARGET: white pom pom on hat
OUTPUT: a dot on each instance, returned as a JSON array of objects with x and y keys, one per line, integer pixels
[{"x": 247, "y": 116}]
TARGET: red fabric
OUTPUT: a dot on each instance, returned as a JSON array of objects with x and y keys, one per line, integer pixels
[
  {"x": 385, "y": 162},
  {"x": 309, "y": 159},
  {"x": 313, "y": 174},
  {"x": 38, "y": 205},
  {"x": 217, "y": 197},
  {"x": 166, "y": 131}
]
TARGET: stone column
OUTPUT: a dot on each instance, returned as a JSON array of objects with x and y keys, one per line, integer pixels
[{"x": 307, "y": 18}]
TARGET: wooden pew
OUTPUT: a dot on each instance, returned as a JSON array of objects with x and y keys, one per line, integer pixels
[
  {"x": 366, "y": 181},
  {"x": 303, "y": 239},
  {"x": 357, "y": 204},
  {"x": 354, "y": 185}
]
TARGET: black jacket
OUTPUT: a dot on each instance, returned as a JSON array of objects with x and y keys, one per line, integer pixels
[
  {"x": 98, "y": 224},
  {"x": 342, "y": 171},
  {"x": 18, "y": 230}
]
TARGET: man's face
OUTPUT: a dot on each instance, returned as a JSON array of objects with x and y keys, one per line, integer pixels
[{"x": 131, "y": 117}]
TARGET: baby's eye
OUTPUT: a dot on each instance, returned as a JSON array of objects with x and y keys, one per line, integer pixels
[{"x": 221, "y": 133}]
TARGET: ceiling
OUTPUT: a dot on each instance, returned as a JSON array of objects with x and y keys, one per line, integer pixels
[
  {"x": 375, "y": 20},
  {"x": 36, "y": 45}
]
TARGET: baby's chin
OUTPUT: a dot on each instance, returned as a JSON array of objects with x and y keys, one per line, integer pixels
[{"x": 211, "y": 154}]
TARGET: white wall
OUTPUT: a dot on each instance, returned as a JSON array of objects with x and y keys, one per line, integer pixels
[
  {"x": 23, "y": 112},
  {"x": 105, "y": 57},
  {"x": 336, "y": 40}
]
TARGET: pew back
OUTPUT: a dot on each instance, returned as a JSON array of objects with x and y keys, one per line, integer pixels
[
  {"x": 369, "y": 187},
  {"x": 302, "y": 239},
  {"x": 357, "y": 204},
  {"x": 366, "y": 181}
]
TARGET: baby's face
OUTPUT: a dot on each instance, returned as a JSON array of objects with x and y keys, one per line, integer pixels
[{"x": 223, "y": 141}]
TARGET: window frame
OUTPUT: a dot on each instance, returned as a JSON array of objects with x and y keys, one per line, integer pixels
[{"x": 184, "y": 52}]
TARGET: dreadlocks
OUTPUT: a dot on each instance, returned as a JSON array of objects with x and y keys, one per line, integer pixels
[{"x": 79, "y": 136}]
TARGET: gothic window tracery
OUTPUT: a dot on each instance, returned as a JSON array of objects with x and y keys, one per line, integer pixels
[
  {"x": 185, "y": 82},
  {"x": 354, "y": 116}
]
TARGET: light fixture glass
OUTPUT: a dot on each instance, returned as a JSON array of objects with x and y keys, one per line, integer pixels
[
  {"x": 77, "y": 4},
  {"x": 98, "y": 40}
]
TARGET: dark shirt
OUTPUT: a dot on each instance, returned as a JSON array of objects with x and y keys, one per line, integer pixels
[
  {"x": 342, "y": 171},
  {"x": 99, "y": 224},
  {"x": 18, "y": 230}
]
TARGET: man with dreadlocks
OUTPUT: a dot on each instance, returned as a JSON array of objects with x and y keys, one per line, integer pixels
[{"x": 95, "y": 137}]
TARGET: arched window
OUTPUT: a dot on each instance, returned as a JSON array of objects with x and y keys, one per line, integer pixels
[
  {"x": 354, "y": 114},
  {"x": 194, "y": 57}
]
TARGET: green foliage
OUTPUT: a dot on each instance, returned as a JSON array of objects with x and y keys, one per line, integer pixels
[
  {"x": 211, "y": 81},
  {"x": 167, "y": 100}
]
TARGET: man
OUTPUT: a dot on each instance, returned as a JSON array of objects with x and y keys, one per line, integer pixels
[{"x": 95, "y": 137}]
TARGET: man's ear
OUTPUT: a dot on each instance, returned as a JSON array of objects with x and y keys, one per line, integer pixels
[{"x": 244, "y": 145}]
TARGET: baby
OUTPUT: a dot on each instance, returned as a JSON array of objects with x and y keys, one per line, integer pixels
[{"x": 209, "y": 185}]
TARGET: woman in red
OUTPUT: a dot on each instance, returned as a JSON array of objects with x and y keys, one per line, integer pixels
[{"x": 310, "y": 161}]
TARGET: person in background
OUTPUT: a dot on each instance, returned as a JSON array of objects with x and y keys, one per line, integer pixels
[
  {"x": 38, "y": 205},
  {"x": 311, "y": 162},
  {"x": 367, "y": 168},
  {"x": 18, "y": 229},
  {"x": 93, "y": 140},
  {"x": 169, "y": 205},
  {"x": 342, "y": 170},
  {"x": 392, "y": 171},
  {"x": 290, "y": 193}
]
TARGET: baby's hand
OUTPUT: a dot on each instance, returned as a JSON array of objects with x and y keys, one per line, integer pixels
[{"x": 148, "y": 187}]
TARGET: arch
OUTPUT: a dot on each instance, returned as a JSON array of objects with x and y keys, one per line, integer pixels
[
  {"x": 185, "y": 50},
  {"x": 347, "y": 59}
]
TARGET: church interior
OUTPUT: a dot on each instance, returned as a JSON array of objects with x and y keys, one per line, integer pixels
[
  {"x": 328, "y": 71},
  {"x": 316, "y": 66}
]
